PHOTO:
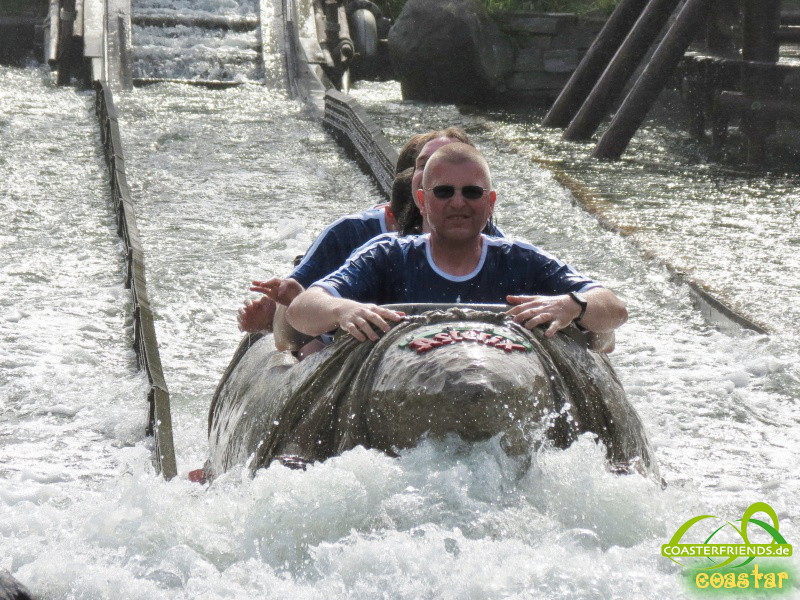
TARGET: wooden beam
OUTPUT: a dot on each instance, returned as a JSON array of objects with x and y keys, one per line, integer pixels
[
  {"x": 739, "y": 103},
  {"x": 622, "y": 67},
  {"x": 593, "y": 63},
  {"x": 790, "y": 17},
  {"x": 645, "y": 91},
  {"x": 789, "y": 33}
]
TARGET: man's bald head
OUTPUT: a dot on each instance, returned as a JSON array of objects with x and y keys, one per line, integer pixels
[{"x": 456, "y": 153}]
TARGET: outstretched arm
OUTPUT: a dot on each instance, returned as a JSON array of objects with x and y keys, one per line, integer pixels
[
  {"x": 282, "y": 291},
  {"x": 315, "y": 312},
  {"x": 260, "y": 314},
  {"x": 256, "y": 315},
  {"x": 604, "y": 311}
]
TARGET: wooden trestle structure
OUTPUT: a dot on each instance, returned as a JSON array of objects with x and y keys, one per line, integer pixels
[{"x": 727, "y": 77}]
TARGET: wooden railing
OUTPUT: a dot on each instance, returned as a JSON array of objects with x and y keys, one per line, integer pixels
[{"x": 159, "y": 423}]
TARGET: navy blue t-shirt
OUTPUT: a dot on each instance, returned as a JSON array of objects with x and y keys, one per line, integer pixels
[
  {"x": 339, "y": 240},
  {"x": 401, "y": 270}
]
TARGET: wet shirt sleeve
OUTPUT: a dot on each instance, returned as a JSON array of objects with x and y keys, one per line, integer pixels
[
  {"x": 362, "y": 277},
  {"x": 329, "y": 251},
  {"x": 547, "y": 275}
]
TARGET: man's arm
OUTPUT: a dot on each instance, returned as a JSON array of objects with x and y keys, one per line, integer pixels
[
  {"x": 256, "y": 315},
  {"x": 604, "y": 311},
  {"x": 281, "y": 293},
  {"x": 285, "y": 336},
  {"x": 316, "y": 311},
  {"x": 259, "y": 315}
]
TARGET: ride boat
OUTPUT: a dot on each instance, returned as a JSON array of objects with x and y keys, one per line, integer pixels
[{"x": 460, "y": 369}]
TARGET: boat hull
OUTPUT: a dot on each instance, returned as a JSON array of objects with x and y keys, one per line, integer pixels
[{"x": 472, "y": 373}]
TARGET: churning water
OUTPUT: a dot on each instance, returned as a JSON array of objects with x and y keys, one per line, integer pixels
[
  {"x": 191, "y": 52},
  {"x": 231, "y": 185}
]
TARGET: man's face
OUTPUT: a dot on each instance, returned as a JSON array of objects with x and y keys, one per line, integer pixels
[
  {"x": 456, "y": 219},
  {"x": 422, "y": 159}
]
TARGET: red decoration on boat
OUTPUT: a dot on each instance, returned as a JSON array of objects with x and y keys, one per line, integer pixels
[
  {"x": 444, "y": 338},
  {"x": 198, "y": 476}
]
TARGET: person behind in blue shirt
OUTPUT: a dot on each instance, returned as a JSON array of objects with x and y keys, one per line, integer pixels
[
  {"x": 455, "y": 262},
  {"x": 337, "y": 241}
]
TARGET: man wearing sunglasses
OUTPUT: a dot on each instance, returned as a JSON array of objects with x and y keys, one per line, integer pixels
[
  {"x": 454, "y": 263},
  {"x": 335, "y": 244}
]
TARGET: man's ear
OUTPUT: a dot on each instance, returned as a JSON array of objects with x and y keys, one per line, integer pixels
[
  {"x": 492, "y": 200},
  {"x": 421, "y": 201}
]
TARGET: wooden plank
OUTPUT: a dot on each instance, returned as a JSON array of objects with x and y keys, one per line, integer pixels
[
  {"x": 146, "y": 345},
  {"x": 211, "y": 84},
  {"x": 93, "y": 28}
]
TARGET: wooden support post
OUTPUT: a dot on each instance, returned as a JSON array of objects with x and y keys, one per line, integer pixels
[
  {"x": 52, "y": 33},
  {"x": 695, "y": 79},
  {"x": 66, "y": 45},
  {"x": 645, "y": 91},
  {"x": 762, "y": 19},
  {"x": 593, "y": 63},
  {"x": 610, "y": 86},
  {"x": 723, "y": 75},
  {"x": 724, "y": 15},
  {"x": 719, "y": 131}
]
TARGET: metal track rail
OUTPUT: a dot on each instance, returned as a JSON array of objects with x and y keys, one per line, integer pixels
[
  {"x": 353, "y": 129},
  {"x": 303, "y": 80},
  {"x": 159, "y": 418},
  {"x": 341, "y": 115}
]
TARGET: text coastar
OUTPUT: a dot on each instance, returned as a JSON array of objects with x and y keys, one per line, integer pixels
[{"x": 755, "y": 578}]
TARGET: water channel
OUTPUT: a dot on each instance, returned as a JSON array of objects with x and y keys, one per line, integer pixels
[{"x": 232, "y": 184}]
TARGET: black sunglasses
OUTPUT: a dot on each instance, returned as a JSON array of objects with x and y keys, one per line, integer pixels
[{"x": 470, "y": 192}]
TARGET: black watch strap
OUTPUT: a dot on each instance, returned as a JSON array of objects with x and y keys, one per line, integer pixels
[{"x": 581, "y": 301}]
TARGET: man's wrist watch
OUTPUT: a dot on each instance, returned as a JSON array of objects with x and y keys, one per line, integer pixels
[{"x": 582, "y": 302}]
